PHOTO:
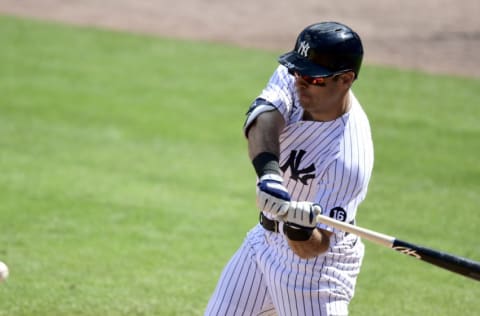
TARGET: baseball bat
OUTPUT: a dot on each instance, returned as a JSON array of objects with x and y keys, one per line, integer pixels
[{"x": 453, "y": 263}]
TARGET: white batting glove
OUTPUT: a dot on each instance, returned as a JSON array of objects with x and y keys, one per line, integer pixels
[
  {"x": 272, "y": 196},
  {"x": 302, "y": 214}
]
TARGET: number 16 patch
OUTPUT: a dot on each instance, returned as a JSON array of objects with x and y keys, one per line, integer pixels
[{"x": 338, "y": 213}]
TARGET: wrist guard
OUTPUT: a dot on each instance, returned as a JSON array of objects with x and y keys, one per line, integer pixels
[
  {"x": 293, "y": 232},
  {"x": 266, "y": 163}
]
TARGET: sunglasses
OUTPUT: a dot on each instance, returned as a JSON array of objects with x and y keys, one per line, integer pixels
[{"x": 316, "y": 81}]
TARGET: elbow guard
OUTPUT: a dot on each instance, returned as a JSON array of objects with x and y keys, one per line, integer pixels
[{"x": 258, "y": 106}]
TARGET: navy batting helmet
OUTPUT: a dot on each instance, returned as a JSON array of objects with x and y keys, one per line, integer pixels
[{"x": 324, "y": 49}]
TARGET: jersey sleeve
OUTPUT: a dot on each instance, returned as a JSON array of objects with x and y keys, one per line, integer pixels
[{"x": 277, "y": 95}]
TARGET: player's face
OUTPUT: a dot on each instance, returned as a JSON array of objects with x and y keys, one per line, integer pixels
[{"x": 324, "y": 98}]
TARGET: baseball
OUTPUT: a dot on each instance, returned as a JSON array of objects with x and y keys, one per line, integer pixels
[{"x": 3, "y": 271}]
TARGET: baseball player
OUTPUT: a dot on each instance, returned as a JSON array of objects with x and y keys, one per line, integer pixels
[{"x": 310, "y": 144}]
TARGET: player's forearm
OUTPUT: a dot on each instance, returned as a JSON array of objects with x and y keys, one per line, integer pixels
[{"x": 316, "y": 245}]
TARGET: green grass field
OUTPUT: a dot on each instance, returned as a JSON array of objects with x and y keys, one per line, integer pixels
[{"x": 125, "y": 184}]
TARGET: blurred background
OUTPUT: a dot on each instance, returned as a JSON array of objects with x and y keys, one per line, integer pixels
[{"x": 431, "y": 35}]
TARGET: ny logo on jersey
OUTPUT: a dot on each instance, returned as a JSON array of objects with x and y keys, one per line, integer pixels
[
  {"x": 297, "y": 174},
  {"x": 303, "y": 48}
]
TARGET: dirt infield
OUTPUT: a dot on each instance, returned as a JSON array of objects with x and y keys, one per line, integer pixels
[{"x": 437, "y": 36}]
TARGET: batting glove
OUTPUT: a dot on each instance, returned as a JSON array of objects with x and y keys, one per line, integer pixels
[
  {"x": 272, "y": 196},
  {"x": 302, "y": 214}
]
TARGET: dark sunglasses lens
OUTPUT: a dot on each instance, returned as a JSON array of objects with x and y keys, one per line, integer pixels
[{"x": 317, "y": 81}]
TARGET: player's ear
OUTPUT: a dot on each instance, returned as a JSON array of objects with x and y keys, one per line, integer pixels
[{"x": 346, "y": 79}]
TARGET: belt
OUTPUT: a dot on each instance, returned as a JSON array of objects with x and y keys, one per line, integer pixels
[{"x": 273, "y": 225}]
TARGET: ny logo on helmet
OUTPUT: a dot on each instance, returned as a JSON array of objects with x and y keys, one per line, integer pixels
[{"x": 303, "y": 48}]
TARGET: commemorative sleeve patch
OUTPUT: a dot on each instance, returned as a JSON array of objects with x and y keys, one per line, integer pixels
[{"x": 338, "y": 213}]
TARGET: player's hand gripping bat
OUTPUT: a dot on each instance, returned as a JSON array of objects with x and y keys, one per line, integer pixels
[{"x": 463, "y": 266}]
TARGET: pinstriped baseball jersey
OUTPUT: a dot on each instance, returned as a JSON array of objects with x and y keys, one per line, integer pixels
[{"x": 328, "y": 163}]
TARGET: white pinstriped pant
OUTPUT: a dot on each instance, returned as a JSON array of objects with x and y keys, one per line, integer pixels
[{"x": 264, "y": 277}]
